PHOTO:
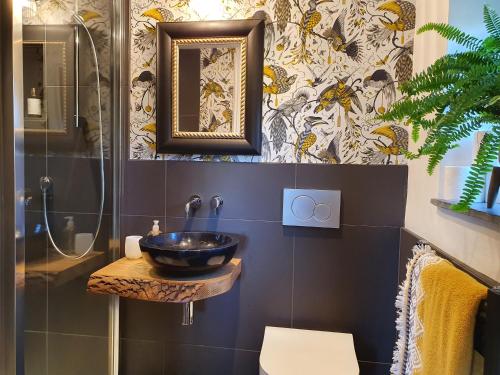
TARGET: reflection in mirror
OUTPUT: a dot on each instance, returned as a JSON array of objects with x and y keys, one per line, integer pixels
[
  {"x": 209, "y": 96},
  {"x": 47, "y": 55},
  {"x": 207, "y": 79}
]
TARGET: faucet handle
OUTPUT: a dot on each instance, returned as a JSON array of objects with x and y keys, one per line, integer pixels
[
  {"x": 216, "y": 202},
  {"x": 193, "y": 203}
]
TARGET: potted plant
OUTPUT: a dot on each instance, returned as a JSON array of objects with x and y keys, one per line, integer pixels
[{"x": 454, "y": 97}]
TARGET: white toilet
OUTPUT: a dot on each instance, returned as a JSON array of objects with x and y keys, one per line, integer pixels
[{"x": 287, "y": 351}]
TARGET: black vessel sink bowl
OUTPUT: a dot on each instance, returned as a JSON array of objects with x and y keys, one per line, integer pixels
[{"x": 188, "y": 253}]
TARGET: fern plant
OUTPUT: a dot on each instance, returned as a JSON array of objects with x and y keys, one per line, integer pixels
[{"x": 454, "y": 97}]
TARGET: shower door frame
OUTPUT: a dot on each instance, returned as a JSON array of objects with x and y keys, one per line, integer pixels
[
  {"x": 12, "y": 182},
  {"x": 11, "y": 190}
]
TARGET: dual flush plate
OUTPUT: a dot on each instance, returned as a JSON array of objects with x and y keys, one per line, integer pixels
[{"x": 311, "y": 208}]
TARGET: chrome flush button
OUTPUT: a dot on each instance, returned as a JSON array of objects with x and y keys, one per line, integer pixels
[
  {"x": 303, "y": 207},
  {"x": 311, "y": 208},
  {"x": 322, "y": 212}
]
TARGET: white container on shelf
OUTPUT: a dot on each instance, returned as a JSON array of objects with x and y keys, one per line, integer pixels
[{"x": 132, "y": 248}]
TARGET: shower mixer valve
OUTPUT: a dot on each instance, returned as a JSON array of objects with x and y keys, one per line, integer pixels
[{"x": 46, "y": 184}]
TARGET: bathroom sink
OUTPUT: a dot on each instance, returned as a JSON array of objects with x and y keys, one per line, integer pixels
[{"x": 188, "y": 253}]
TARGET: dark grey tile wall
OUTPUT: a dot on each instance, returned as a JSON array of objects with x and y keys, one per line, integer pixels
[
  {"x": 406, "y": 243},
  {"x": 341, "y": 280}
]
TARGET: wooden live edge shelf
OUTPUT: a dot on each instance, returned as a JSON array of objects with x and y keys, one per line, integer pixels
[
  {"x": 477, "y": 210},
  {"x": 137, "y": 279}
]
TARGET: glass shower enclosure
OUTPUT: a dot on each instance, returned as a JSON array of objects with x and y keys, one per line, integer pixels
[{"x": 67, "y": 146}]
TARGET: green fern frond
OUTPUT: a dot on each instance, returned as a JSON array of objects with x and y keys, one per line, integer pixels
[
  {"x": 491, "y": 21},
  {"x": 452, "y": 99},
  {"x": 452, "y": 33}
]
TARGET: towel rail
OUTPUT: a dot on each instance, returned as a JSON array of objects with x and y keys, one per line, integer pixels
[{"x": 492, "y": 333}]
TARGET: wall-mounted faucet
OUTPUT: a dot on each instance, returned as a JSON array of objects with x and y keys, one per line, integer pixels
[
  {"x": 216, "y": 203},
  {"x": 193, "y": 203}
]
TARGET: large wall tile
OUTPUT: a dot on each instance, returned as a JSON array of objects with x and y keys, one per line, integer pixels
[
  {"x": 139, "y": 357},
  {"x": 202, "y": 360},
  {"x": 262, "y": 295},
  {"x": 250, "y": 191},
  {"x": 346, "y": 281},
  {"x": 77, "y": 355},
  {"x": 144, "y": 189},
  {"x": 371, "y": 195}
]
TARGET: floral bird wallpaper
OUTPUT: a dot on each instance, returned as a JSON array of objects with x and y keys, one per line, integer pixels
[{"x": 330, "y": 67}]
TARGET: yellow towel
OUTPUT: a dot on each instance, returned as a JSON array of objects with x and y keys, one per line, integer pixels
[{"x": 448, "y": 313}]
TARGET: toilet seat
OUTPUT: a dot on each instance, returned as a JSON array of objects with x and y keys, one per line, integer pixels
[{"x": 288, "y": 351}]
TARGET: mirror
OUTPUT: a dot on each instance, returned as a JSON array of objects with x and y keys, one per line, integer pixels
[{"x": 210, "y": 87}]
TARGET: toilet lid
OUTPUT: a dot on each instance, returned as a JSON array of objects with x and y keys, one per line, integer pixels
[{"x": 288, "y": 351}]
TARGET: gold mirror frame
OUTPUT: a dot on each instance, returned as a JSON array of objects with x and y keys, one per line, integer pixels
[{"x": 176, "y": 44}]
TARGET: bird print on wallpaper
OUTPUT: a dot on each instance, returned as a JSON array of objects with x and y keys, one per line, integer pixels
[
  {"x": 212, "y": 126},
  {"x": 307, "y": 138},
  {"x": 398, "y": 137},
  {"x": 309, "y": 20},
  {"x": 339, "y": 93},
  {"x": 147, "y": 82},
  {"x": 212, "y": 88},
  {"x": 227, "y": 113},
  {"x": 331, "y": 154},
  {"x": 404, "y": 63},
  {"x": 405, "y": 12},
  {"x": 88, "y": 15},
  {"x": 282, "y": 13},
  {"x": 381, "y": 80},
  {"x": 159, "y": 14},
  {"x": 269, "y": 33},
  {"x": 329, "y": 68},
  {"x": 280, "y": 81},
  {"x": 212, "y": 58},
  {"x": 337, "y": 39},
  {"x": 278, "y": 127}
]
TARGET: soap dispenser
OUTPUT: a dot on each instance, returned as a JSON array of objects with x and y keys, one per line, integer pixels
[
  {"x": 69, "y": 234},
  {"x": 155, "y": 231}
]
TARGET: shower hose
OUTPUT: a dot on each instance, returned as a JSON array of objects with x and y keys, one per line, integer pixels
[{"x": 46, "y": 182}]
